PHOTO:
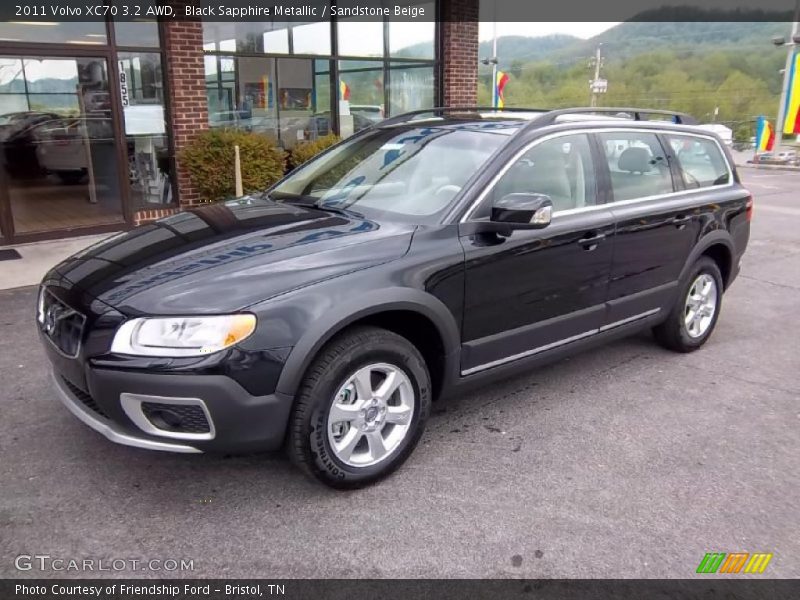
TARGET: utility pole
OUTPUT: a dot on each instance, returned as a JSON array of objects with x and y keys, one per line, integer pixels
[
  {"x": 493, "y": 61},
  {"x": 598, "y": 86},
  {"x": 791, "y": 45},
  {"x": 495, "y": 99}
]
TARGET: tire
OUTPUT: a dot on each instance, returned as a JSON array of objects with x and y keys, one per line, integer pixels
[
  {"x": 345, "y": 453},
  {"x": 680, "y": 332}
]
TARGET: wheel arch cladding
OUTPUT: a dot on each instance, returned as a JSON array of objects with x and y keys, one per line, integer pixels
[
  {"x": 419, "y": 317},
  {"x": 718, "y": 246},
  {"x": 721, "y": 254}
]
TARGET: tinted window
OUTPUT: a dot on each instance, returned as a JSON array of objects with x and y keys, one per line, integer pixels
[
  {"x": 700, "y": 161},
  {"x": 637, "y": 165},
  {"x": 560, "y": 168}
]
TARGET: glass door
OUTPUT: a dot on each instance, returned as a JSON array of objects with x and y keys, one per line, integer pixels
[{"x": 58, "y": 149}]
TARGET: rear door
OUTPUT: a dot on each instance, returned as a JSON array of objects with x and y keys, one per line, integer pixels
[
  {"x": 534, "y": 290},
  {"x": 656, "y": 226}
]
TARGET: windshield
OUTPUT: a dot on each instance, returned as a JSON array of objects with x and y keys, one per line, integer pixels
[{"x": 411, "y": 172}]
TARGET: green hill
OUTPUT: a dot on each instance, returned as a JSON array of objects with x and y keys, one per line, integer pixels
[{"x": 698, "y": 67}]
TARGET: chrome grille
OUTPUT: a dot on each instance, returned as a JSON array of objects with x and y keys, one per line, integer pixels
[{"x": 61, "y": 324}]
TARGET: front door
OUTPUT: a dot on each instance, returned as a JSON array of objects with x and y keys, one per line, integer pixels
[
  {"x": 58, "y": 148},
  {"x": 537, "y": 289}
]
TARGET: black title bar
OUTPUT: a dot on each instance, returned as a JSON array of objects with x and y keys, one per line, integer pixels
[{"x": 399, "y": 10}]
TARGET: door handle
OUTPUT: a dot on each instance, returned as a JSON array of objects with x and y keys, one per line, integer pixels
[
  {"x": 590, "y": 243},
  {"x": 681, "y": 221}
]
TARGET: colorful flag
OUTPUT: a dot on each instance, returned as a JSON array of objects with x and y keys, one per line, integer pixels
[
  {"x": 765, "y": 135},
  {"x": 344, "y": 90},
  {"x": 499, "y": 86},
  {"x": 791, "y": 123}
]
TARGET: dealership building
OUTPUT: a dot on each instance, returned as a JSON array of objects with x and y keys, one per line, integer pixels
[{"x": 93, "y": 115}]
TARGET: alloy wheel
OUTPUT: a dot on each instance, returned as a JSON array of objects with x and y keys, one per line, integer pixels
[
  {"x": 370, "y": 415},
  {"x": 701, "y": 304}
]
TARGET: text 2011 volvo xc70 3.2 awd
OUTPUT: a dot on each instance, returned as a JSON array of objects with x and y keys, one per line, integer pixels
[{"x": 425, "y": 254}]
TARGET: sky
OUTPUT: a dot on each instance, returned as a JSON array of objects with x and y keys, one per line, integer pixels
[{"x": 581, "y": 30}]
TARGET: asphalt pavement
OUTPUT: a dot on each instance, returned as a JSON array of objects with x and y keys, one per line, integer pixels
[{"x": 624, "y": 461}]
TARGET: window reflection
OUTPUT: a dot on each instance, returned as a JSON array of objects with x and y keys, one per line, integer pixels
[
  {"x": 285, "y": 98},
  {"x": 136, "y": 33},
  {"x": 360, "y": 38},
  {"x": 411, "y": 87},
  {"x": 57, "y": 143},
  {"x": 413, "y": 39},
  {"x": 313, "y": 38},
  {"x": 52, "y": 32},
  {"x": 142, "y": 92},
  {"x": 361, "y": 95}
]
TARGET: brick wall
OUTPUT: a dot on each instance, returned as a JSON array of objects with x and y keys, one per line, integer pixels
[
  {"x": 183, "y": 44},
  {"x": 151, "y": 214},
  {"x": 459, "y": 52}
]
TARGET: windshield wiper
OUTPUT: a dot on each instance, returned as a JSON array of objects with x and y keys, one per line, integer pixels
[{"x": 303, "y": 202}]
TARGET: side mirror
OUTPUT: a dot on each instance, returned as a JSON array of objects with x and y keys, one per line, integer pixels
[{"x": 523, "y": 211}]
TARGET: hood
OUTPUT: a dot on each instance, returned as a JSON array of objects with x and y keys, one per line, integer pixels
[{"x": 225, "y": 257}]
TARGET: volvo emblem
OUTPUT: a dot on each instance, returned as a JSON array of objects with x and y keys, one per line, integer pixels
[{"x": 50, "y": 318}]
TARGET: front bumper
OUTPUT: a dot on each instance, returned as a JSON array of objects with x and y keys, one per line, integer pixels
[{"x": 238, "y": 421}]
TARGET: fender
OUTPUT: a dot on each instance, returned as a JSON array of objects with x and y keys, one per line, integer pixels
[
  {"x": 718, "y": 237},
  {"x": 395, "y": 298}
]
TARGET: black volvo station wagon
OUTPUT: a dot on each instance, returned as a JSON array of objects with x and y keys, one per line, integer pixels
[{"x": 425, "y": 254}]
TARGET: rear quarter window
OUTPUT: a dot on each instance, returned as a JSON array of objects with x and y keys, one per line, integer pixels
[{"x": 700, "y": 161}]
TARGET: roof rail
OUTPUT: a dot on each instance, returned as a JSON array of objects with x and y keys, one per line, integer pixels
[
  {"x": 547, "y": 116},
  {"x": 633, "y": 113},
  {"x": 440, "y": 110}
]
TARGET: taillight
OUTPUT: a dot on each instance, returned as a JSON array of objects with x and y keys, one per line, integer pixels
[{"x": 748, "y": 213}]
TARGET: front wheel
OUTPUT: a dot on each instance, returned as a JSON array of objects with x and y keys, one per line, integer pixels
[
  {"x": 361, "y": 408},
  {"x": 694, "y": 315}
]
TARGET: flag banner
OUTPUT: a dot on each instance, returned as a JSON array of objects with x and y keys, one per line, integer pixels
[
  {"x": 791, "y": 122},
  {"x": 344, "y": 90},
  {"x": 499, "y": 86},
  {"x": 765, "y": 135}
]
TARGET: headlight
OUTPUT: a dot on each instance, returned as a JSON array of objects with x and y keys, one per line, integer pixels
[{"x": 182, "y": 336}]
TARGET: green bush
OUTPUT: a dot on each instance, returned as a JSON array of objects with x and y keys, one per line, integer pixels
[
  {"x": 305, "y": 151},
  {"x": 209, "y": 159}
]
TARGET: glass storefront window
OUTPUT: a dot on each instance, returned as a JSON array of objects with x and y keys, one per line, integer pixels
[
  {"x": 52, "y": 32},
  {"x": 293, "y": 98},
  {"x": 58, "y": 152},
  {"x": 268, "y": 38},
  {"x": 361, "y": 96},
  {"x": 142, "y": 93},
  {"x": 413, "y": 39},
  {"x": 143, "y": 34},
  {"x": 285, "y": 98},
  {"x": 312, "y": 38},
  {"x": 360, "y": 38},
  {"x": 411, "y": 87}
]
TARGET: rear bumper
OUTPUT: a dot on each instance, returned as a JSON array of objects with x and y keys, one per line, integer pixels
[{"x": 238, "y": 421}]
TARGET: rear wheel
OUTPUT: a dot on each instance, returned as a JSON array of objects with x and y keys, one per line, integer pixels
[
  {"x": 694, "y": 315},
  {"x": 361, "y": 408}
]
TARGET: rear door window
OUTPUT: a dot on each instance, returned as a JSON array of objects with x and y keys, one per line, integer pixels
[
  {"x": 699, "y": 161},
  {"x": 637, "y": 165}
]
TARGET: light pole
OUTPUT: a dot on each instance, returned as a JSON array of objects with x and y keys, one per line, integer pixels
[
  {"x": 493, "y": 61},
  {"x": 793, "y": 41}
]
